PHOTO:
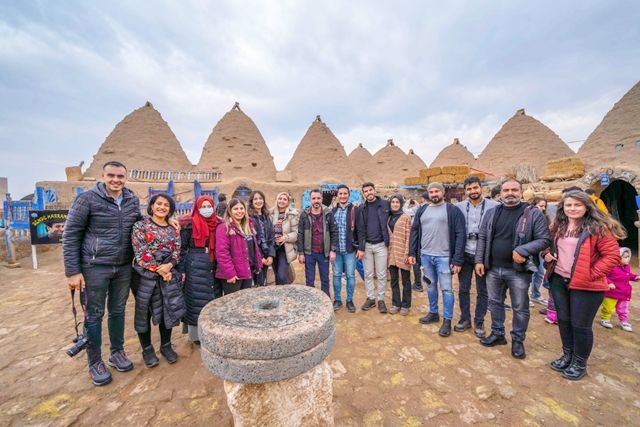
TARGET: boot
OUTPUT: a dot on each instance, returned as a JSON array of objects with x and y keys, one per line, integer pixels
[
  {"x": 149, "y": 357},
  {"x": 167, "y": 351},
  {"x": 445, "y": 329},
  {"x": 577, "y": 369},
  {"x": 563, "y": 361}
]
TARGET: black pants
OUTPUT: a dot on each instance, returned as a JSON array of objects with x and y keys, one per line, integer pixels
[
  {"x": 417, "y": 275},
  {"x": 576, "y": 310},
  {"x": 395, "y": 272},
  {"x": 281, "y": 266},
  {"x": 465, "y": 276},
  {"x": 229, "y": 288},
  {"x": 260, "y": 278},
  {"x": 145, "y": 337}
]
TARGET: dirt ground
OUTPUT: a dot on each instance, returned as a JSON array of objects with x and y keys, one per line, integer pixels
[{"x": 388, "y": 371}]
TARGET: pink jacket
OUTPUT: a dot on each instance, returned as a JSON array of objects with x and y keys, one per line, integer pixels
[
  {"x": 620, "y": 276},
  {"x": 232, "y": 253}
]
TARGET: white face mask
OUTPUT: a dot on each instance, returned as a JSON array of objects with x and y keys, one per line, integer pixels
[{"x": 206, "y": 212}]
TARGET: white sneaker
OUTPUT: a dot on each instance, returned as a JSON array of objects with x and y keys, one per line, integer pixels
[
  {"x": 626, "y": 326},
  {"x": 606, "y": 323}
]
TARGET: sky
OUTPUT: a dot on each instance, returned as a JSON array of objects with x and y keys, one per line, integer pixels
[{"x": 420, "y": 72}]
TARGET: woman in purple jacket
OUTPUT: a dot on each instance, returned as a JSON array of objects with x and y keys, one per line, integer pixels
[{"x": 237, "y": 249}]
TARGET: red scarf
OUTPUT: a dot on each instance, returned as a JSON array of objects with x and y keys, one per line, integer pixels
[{"x": 204, "y": 228}]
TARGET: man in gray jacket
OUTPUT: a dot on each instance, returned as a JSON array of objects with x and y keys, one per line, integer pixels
[
  {"x": 97, "y": 256},
  {"x": 511, "y": 236}
]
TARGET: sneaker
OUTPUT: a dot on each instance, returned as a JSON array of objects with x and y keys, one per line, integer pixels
[
  {"x": 394, "y": 310},
  {"x": 479, "y": 330},
  {"x": 462, "y": 325},
  {"x": 337, "y": 305},
  {"x": 167, "y": 351},
  {"x": 351, "y": 308},
  {"x": 404, "y": 311},
  {"x": 507, "y": 306},
  {"x": 539, "y": 300},
  {"x": 531, "y": 304},
  {"x": 549, "y": 321},
  {"x": 382, "y": 307},
  {"x": 606, "y": 323},
  {"x": 99, "y": 373},
  {"x": 368, "y": 304},
  {"x": 626, "y": 326},
  {"x": 120, "y": 361},
  {"x": 417, "y": 287},
  {"x": 149, "y": 357},
  {"x": 430, "y": 318}
]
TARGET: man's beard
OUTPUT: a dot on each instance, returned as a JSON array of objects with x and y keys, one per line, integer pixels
[
  {"x": 474, "y": 196},
  {"x": 435, "y": 200},
  {"x": 511, "y": 200}
]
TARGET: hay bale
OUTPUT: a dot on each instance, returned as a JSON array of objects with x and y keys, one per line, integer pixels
[
  {"x": 442, "y": 178},
  {"x": 429, "y": 172},
  {"x": 553, "y": 195},
  {"x": 414, "y": 180},
  {"x": 528, "y": 194},
  {"x": 460, "y": 178},
  {"x": 481, "y": 176},
  {"x": 564, "y": 169},
  {"x": 455, "y": 170}
]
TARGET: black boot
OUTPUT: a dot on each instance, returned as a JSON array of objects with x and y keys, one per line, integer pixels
[
  {"x": 167, "y": 351},
  {"x": 445, "y": 329},
  {"x": 563, "y": 361},
  {"x": 577, "y": 369},
  {"x": 149, "y": 357}
]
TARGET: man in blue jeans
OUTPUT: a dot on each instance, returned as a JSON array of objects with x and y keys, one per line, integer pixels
[
  {"x": 343, "y": 217},
  {"x": 316, "y": 241},
  {"x": 510, "y": 237},
  {"x": 97, "y": 256},
  {"x": 438, "y": 239}
]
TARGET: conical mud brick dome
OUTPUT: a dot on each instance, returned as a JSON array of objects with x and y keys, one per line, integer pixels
[
  {"x": 389, "y": 165},
  {"x": 360, "y": 158},
  {"x": 616, "y": 140},
  {"x": 142, "y": 140},
  {"x": 454, "y": 154},
  {"x": 320, "y": 157},
  {"x": 414, "y": 162},
  {"x": 522, "y": 140},
  {"x": 237, "y": 148}
]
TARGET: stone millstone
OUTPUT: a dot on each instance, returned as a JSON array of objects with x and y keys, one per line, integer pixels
[{"x": 266, "y": 334}]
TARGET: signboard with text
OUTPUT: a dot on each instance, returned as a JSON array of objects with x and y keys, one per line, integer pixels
[{"x": 47, "y": 226}]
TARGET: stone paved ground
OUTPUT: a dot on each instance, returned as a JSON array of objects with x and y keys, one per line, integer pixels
[{"x": 388, "y": 370}]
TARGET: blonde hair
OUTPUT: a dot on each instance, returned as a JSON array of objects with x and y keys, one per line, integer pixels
[{"x": 282, "y": 193}]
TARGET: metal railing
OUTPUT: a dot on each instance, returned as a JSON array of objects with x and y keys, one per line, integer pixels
[{"x": 176, "y": 176}]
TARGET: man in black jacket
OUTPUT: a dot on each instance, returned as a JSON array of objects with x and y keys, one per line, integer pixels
[
  {"x": 437, "y": 240},
  {"x": 373, "y": 243},
  {"x": 343, "y": 216},
  {"x": 510, "y": 237},
  {"x": 97, "y": 255},
  {"x": 316, "y": 243}
]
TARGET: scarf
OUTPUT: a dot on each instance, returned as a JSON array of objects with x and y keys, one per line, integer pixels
[
  {"x": 204, "y": 229},
  {"x": 395, "y": 215}
]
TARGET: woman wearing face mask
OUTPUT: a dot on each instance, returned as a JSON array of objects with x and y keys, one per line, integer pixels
[
  {"x": 399, "y": 225},
  {"x": 157, "y": 289},
  {"x": 237, "y": 250},
  {"x": 285, "y": 224},
  {"x": 197, "y": 264},
  {"x": 259, "y": 213},
  {"x": 584, "y": 250}
]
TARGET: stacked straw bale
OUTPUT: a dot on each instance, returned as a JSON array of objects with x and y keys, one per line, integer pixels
[{"x": 564, "y": 169}]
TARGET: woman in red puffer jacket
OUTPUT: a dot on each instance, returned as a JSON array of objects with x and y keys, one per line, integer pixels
[{"x": 583, "y": 252}]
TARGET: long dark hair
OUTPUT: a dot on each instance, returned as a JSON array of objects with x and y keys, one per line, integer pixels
[
  {"x": 537, "y": 199},
  {"x": 252, "y": 210},
  {"x": 594, "y": 222}
]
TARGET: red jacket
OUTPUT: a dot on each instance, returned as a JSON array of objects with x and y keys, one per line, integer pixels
[{"x": 595, "y": 257}]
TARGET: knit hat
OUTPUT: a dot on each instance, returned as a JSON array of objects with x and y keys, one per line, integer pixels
[
  {"x": 623, "y": 250},
  {"x": 437, "y": 185}
]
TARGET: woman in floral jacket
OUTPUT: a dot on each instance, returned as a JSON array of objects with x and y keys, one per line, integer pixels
[{"x": 158, "y": 293}]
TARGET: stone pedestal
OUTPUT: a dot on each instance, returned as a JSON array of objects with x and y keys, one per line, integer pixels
[{"x": 269, "y": 345}]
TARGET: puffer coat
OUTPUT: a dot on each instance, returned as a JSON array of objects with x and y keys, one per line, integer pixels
[
  {"x": 162, "y": 300},
  {"x": 98, "y": 231},
  {"x": 199, "y": 272}
]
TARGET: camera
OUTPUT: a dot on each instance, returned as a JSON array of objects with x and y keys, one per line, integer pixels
[
  {"x": 472, "y": 236},
  {"x": 79, "y": 343}
]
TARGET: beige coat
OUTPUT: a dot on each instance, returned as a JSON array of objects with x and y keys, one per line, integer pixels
[
  {"x": 290, "y": 230},
  {"x": 399, "y": 242}
]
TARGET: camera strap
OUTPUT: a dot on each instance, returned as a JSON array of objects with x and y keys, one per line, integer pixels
[
  {"x": 481, "y": 214},
  {"x": 83, "y": 303}
]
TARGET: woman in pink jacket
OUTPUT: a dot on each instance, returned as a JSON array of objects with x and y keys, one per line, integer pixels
[
  {"x": 237, "y": 249},
  {"x": 619, "y": 294}
]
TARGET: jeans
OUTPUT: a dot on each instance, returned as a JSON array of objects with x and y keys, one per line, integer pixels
[
  {"x": 438, "y": 271},
  {"x": 499, "y": 279},
  {"x": 360, "y": 268},
  {"x": 465, "y": 276},
  {"x": 395, "y": 273},
  {"x": 375, "y": 259},
  {"x": 345, "y": 263},
  {"x": 576, "y": 310},
  {"x": 310, "y": 261},
  {"x": 537, "y": 279},
  {"x": 281, "y": 266},
  {"x": 110, "y": 284}
]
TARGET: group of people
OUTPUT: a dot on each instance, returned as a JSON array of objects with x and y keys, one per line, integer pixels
[{"x": 174, "y": 267}]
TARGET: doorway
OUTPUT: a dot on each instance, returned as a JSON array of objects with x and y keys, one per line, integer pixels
[{"x": 620, "y": 198}]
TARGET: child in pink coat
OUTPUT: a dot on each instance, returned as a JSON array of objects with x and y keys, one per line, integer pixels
[{"x": 619, "y": 293}]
